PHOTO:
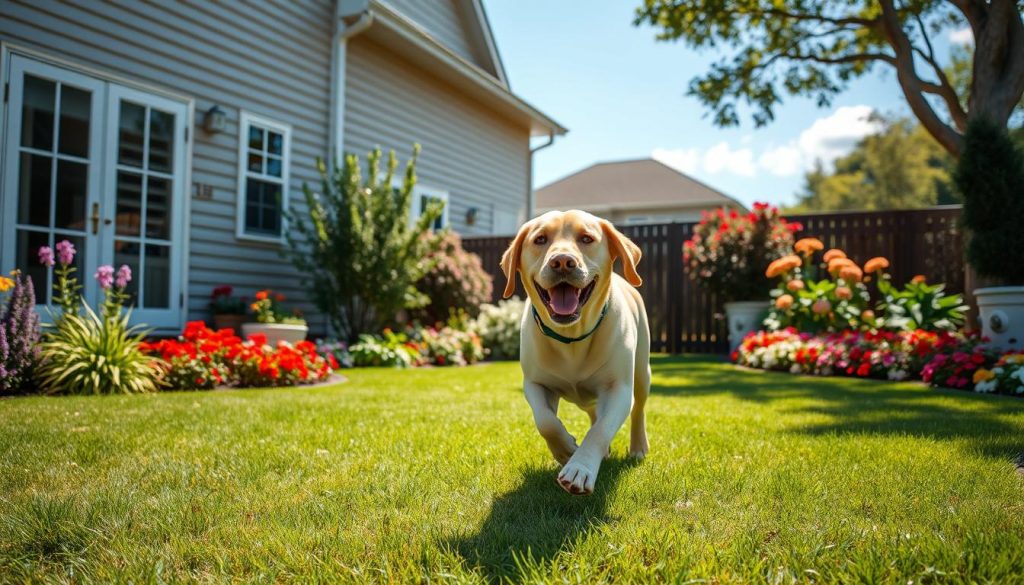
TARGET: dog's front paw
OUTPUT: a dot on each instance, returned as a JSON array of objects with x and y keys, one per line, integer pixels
[
  {"x": 563, "y": 449},
  {"x": 577, "y": 479}
]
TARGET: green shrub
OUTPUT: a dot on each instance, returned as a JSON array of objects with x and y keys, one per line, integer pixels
[
  {"x": 499, "y": 328},
  {"x": 355, "y": 247},
  {"x": 389, "y": 350},
  {"x": 919, "y": 305},
  {"x": 990, "y": 175},
  {"x": 456, "y": 281},
  {"x": 449, "y": 346}
]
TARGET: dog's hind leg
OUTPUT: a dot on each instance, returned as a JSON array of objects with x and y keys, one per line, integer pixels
[{"x": 638, "y": 445}]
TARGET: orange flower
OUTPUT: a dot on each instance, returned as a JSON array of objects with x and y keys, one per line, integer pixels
[
  {"x": 279, "y": 298},
  {"x": 919, "y": 279},
  {"x": 255, "y": 307},
  {"x": 262, "y": 295},
  {"x": 875, "y": 264},
  {"x": 837, "y": 264},
  {"x": 833, "y": 254},
  {"x": 867, "y": 315},
  {"x": 821, "y": 306},
  {"x": 851, "y": 273},
  {"x": 784, "y": 302},
  {"x": 844, "y": 293},
  {"x": 808, "y": 246},
  {"x": 782, "y": 265},
  {"x": 795, "y": 285}
]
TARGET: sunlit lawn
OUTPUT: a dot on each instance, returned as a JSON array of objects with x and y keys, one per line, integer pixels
[{"x": 438, "y": 474}]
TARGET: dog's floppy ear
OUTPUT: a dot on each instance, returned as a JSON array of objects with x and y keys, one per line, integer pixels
[
  {"x": 622, "y": 247},
  {"x": 510, "y": 260}
]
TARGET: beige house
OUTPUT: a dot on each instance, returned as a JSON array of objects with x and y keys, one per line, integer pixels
[
  {"x": 174, "y": 136},
  {"x": 633, "y": 192}
]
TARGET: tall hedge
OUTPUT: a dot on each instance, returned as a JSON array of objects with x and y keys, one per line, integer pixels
[{"x": 990, "y": 176}]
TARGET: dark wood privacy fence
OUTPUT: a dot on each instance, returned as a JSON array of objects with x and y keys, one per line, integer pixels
[{"x": 684, "y": 318}]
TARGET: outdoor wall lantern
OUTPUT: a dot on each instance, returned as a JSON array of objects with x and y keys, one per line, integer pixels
[
  {"x": 215, "y": 120},
  {"x": 471, "y": 214}
]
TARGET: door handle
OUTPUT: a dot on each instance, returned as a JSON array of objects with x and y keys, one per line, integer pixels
[{"x": 95, "y": 218}]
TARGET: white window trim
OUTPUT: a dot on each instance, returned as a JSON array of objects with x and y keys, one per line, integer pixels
[
  {"x": 245, "y": 120},
  {"x": 420, "y": 190}
]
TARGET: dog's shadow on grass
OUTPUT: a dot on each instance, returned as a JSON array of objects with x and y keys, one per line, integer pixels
[{"x": 537, "y": 520}]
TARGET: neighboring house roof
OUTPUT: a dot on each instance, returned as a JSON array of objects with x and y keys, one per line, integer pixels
[
  {"x": 629, "y": 184},
  {"x": 400, "y": 32}
]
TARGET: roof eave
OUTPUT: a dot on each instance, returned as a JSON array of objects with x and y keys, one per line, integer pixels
[{"x": 455, "y": 69}]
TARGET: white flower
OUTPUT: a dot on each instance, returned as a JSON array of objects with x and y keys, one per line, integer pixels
[
  {"x": 897, "y": 375},
  {"x": 986, "y": 386},
  {"x": 794, "y": 369}
]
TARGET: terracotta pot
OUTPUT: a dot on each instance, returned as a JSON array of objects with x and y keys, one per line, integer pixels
[
  {"x": 276, "y": 332},
  {"x": 228, "y": 322}
]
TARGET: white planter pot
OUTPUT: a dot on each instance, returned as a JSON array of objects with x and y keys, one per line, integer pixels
[
  {"x": 743, "y": 317},
  {"x": 276, "y": 332},
  {"x": 1002, "y": 315}
]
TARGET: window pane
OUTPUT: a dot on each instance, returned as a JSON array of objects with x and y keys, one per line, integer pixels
[
  {"x": 74, "y": 121},
  {"x": 71, "y": 189},
  {"x": 27, "y": 260},
  {"x": 156, "y": 283},
  {"x": 275, "y": 143},
  {"x": 128, "y": 253},
  {"x": 263, "y": 208},
  {"x": 255, "y": 138},
  {"x": 131, "y": 129},
  {"x": 161, "y": 141},
  {"x": 273, "y": 166},
  {"x": 158, "y": 198},
  {"x": 255, "y": 163},
  {"x": 34, "y": 190},
  {"x": 37, "y": 113},
  {"x": 129, "y": 204}
]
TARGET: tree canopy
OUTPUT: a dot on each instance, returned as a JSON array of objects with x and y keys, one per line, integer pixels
[
  {"x": 901, "y": 167},
  {"x": 814, "y": 48}
]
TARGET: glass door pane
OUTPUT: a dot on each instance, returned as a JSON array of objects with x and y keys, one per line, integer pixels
[{"x": 51, "y": 172}]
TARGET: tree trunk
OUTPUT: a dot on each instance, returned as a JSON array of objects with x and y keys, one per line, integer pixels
[{"x": 998, "y": 70}]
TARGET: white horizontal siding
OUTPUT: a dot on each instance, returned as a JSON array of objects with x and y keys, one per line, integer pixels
[
  {"x": 271, "y": 58},
  {"x": 480, "y": 158}
]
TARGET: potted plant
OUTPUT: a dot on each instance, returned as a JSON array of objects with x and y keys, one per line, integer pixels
[
  {"x": 728, "y": 255},
  {"x": 273, "y": 322},
  {"x": 989, "y": 175},
  {"x": 228, "y": 311}
]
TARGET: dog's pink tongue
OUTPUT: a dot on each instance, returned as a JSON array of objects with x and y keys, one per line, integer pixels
[{"x": 564, "y": 299}]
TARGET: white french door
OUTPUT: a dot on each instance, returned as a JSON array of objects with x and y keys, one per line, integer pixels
[{"x": 101, "y": 165}]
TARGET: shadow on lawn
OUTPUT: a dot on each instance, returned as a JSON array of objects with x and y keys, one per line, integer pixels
[
  {"x": 991, "y": 425},
  {"x": 537, "y": 520}
]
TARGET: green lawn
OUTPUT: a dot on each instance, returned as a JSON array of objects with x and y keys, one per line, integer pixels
[{"x": 438, "y": 474}]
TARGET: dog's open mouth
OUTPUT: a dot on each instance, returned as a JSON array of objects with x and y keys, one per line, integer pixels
[{"x": 564, "y": 301}]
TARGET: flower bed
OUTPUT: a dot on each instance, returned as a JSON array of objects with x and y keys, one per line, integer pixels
[
  {"x": 447, "y": 346},
  {"x": 944, "y": 359},
  {"x": 201, "y": 359}
]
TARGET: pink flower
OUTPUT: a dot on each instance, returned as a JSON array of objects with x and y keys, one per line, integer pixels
[
  {"x": 124, "y": 276},
  {"x": 46, "y": 256},
  {"x": 105, "y": 276},
  {"x": 66, "y": 250}
]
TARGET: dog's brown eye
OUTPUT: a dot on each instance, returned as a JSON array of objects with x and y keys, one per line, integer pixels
[
  {"x": 585, "y": 239},
  {"x": 540, "y": 240}
]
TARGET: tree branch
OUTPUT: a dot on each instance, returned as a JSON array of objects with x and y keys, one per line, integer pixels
[
  {"x": 945, "y": 90},
  {"x": 842, "y": 21}
]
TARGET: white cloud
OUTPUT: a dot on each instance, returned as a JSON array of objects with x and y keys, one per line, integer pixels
[
  {"x": 962, "y": 36},
  {"x": 825, "y": 140}
]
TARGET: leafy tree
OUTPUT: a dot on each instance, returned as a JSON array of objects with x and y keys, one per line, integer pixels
[
  {"x": 901, "y": 167},
  {"x": 814, "y": 48},
  {"x": 356, "y": 247}
]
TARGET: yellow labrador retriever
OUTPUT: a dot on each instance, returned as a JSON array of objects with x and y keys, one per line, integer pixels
[{"x": 585, "y": 336}]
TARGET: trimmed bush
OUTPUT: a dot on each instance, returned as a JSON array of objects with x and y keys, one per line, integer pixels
[
  {"x": 456, "y": 281},
  {"x": 499, "y": 328}
]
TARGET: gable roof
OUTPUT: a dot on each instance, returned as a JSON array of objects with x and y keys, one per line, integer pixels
[{"x": 629, "y": 184}]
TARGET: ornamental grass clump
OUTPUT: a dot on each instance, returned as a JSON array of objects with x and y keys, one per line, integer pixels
[
  {"x": 729, "y": 251},
  {"x": 86, "y": 352},
  {"x": 19, "y": 335}
]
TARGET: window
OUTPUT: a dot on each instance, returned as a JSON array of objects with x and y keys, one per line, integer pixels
[
  {"x": 262, "y": 178},
  {"x": 421, "y": 197}
]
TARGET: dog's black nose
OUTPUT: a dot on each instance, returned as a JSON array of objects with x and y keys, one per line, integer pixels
[{"x": 562, "y": 263}]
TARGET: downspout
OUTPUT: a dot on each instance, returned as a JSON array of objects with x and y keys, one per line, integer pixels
[
  {"x": 530, "y": 203},
  {"x": 342, "y": 32}
]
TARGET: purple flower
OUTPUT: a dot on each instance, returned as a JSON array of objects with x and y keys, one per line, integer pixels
[
  {"x": 46, "y": 256},
  {"x": 66, "y": 250},
  {"x": 105, "y": 276},
  {"x": 124, "y": 276}
]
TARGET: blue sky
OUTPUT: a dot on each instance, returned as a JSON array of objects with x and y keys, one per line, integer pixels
[{"x": 622, "y": 96}]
